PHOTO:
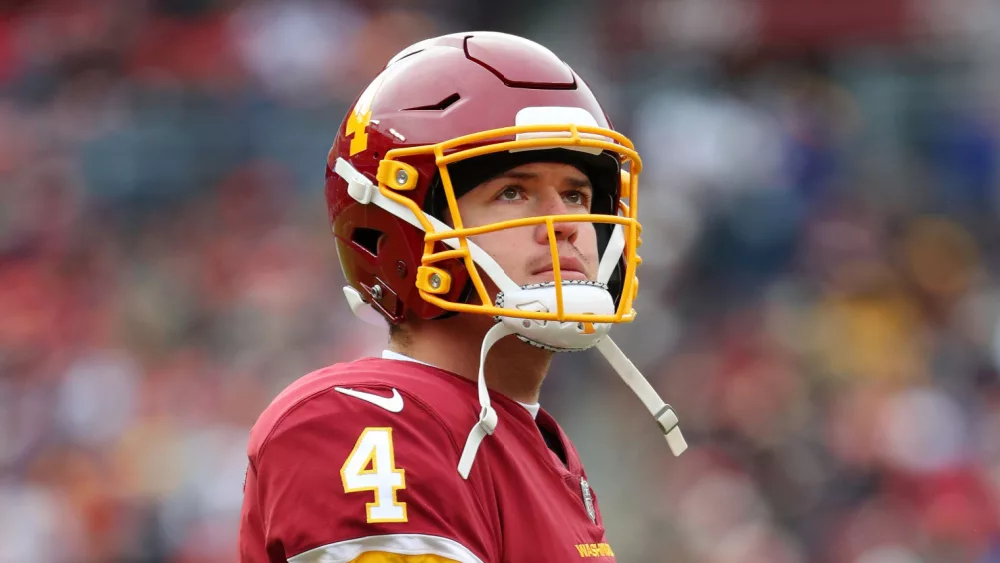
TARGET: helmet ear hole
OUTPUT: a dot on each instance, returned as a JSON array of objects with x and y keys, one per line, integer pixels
[{"x": 368, "y": 239}]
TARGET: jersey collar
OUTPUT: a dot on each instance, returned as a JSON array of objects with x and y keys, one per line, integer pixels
[{"x": 391, "y": 355}]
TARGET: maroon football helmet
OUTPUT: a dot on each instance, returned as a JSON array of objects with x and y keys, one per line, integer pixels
[{"x": 440, "y": 94}]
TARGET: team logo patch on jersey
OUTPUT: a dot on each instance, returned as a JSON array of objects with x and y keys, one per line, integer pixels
[{"x": 588, "y": 500}]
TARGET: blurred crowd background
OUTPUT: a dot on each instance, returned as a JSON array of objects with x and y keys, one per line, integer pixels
[{"x": 820, "y": 296}]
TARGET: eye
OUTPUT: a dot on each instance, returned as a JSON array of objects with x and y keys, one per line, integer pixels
[
  {"x": 511, "y": 193},
  {"x": 577, "y": 197}
]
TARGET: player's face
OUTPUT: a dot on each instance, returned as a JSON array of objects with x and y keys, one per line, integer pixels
[{"x": 530, "y": 190}]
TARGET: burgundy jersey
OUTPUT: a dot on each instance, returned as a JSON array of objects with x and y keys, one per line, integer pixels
[{"x": 358, "y": 462}]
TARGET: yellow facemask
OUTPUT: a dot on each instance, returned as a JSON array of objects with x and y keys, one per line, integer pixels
[{"x": 396, "y": 176}]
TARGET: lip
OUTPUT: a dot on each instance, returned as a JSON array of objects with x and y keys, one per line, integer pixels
[{"x": 569, "y": 268}]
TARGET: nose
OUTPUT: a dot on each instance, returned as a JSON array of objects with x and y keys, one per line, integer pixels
[{"x": 563, "y": 231}]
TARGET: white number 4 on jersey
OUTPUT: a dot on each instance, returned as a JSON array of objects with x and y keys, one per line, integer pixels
[{"x": 372, "y": 467}]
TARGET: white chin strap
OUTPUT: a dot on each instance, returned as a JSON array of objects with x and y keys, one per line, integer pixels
[
  {"x": 487, "y": 415},
  {"x": 579, "y": 297}
]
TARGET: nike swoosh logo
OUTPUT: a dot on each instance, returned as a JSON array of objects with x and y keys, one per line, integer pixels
[{"x": 391, "y": 404}]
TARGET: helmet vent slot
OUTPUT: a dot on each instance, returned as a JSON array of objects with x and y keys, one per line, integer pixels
[{"x": 440, "y": 106}]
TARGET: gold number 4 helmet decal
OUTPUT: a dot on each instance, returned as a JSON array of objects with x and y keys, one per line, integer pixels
[
  {"x": 360, "y": 118},
  {"x": 357, "y": 125}
]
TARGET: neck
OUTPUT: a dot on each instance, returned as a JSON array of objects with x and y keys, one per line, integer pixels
[{"x": 513, "y": 368}]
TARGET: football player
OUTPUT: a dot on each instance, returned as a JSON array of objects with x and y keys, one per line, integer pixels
[{"x": 484, "y": 207}]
